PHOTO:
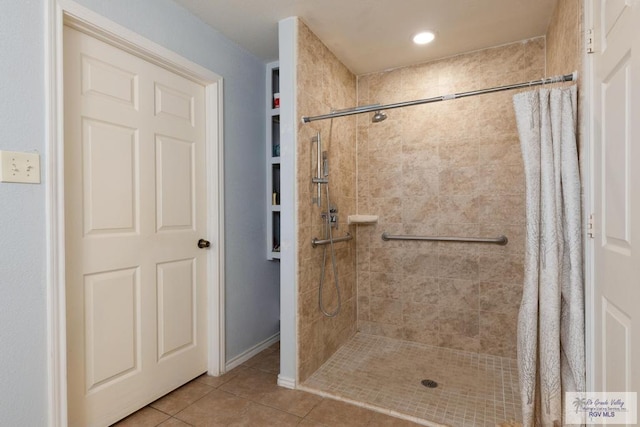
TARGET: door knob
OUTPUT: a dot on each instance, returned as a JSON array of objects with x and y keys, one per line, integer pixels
[{"x": 202, "y": 244}]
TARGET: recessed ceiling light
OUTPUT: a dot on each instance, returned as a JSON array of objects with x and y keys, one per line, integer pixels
[{"x": 424, "y": 37}]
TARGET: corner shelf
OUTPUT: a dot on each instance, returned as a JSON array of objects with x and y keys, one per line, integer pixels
[
  {"x": 273, "y": 161},
  {"x": 360, "y": 219}
]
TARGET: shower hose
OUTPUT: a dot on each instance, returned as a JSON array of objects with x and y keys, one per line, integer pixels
[{"x": 329, "y": 234}]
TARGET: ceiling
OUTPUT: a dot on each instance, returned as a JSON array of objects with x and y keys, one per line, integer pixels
[{"x": 374, "y": 35}]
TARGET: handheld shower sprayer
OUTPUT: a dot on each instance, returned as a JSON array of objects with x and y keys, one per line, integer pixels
[
  {"x": 330, "y": 221},
  {"x": 325, "y": 164},
  {"x": 321, "y": 158}
]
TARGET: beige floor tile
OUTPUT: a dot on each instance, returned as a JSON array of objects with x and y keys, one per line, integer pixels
[
  {"x": 179, "y": 399},
  {"x": 216, "y": 408},
  {"x": 267, "y": 361},
  {"x": 295, "y": 402},
  {"x": 379, "y": 371},
  {"x": 335, "y": 413},
  {"x": 254, "y": 400},
  {"x": 387, "y": 373},
  {"x": 310, "y": 423},
  {"x": 262, "y": 416},
  {"x": 251, "y": 384},
  {"x": 218, "y": 381},
  {"x": 174, "y": 422},
  {"x": 382, "y": 420},
  {"x": 219, "y": 408},
  {"x": 145, "y": 417},
  {"x": 262, "y": 387}
]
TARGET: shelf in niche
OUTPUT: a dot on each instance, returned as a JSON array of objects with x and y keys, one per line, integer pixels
[
  {"x": 362, "y": 219},
  {"x": 272, "y": 161}
]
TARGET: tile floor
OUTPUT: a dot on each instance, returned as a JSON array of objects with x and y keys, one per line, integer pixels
[
  {"x": 473, "y": 389},
  {"x": 248, "y": 396}
]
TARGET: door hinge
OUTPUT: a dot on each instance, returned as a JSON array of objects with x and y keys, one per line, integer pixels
[
  {"x": 589, "y": 41},
  {"x": 590, "y": 226}
]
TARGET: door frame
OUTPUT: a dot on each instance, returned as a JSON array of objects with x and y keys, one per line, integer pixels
[
  {"x": 587, "y": 133},
  {"x": 59, "y": 13}
]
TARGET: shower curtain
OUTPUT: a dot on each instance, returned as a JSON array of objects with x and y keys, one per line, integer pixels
[{"x": 551, "y": 355}]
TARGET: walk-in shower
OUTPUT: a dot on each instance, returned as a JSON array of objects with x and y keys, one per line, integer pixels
[
  {"x": 438, "y": 296},
  {"x": 330, "y": 216},
  {"x": 431, "y": 289}
]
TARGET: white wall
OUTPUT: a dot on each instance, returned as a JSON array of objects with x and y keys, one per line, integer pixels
[
  {"x": 252, "y": 294},
  {"x": 288, "y": 44}
]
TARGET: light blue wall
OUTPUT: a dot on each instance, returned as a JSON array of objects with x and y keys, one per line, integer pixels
[
  {"x": 23, "y": 363},
  {"x": 252, "y": 284}
]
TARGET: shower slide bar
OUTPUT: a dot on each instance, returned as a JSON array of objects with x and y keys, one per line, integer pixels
[
  {"x": 500, "y": 240},
  {"x": 367, "y": 109},
  {"x": 315, "y": 242}
]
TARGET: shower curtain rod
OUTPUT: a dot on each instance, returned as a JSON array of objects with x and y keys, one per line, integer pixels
[{"x": 367, "y": 109}]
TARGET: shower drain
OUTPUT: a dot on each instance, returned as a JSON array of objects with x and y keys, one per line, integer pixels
[{"x": 429, "y": 383}]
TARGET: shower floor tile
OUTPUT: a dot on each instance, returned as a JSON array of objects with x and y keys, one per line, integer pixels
[{"x": 384, "y": 373}]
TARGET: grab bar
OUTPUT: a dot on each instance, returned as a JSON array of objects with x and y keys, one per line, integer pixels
[
  {"x": 315, "y": 242},
  {"x": 500, "y": 240}
]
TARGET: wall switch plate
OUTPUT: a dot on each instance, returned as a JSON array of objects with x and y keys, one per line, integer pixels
[{"x": 17, "y": 166}]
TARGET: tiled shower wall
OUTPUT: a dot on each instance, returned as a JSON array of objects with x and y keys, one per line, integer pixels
[
  {"x": 564, "y": 41},
  {"x": 451, "y": 168},
  {"x": 565, "y": 47},
  {"x": 324, "y": 84}
]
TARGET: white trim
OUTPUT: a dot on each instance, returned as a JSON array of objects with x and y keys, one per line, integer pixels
[
  {"x": 586, "y": 129},
  {"x": 215, "y": 227},
  {"x": 248, "y": 354},
  {"x": 95, "y": 25},
  {"x": 288, "y": 29},
  {"x": 54, "y": 167},
  {"x": 66, "y": 12},
  {"x": 287, "y": 382}
]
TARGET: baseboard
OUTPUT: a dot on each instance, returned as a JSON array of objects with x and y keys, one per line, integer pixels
[
  {"x": 248, "y": 354},
  {"x": 287, "y": 382}
]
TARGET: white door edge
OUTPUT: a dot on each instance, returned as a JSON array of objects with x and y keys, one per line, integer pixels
[
  {"x": 587, "y": 130},
  {"x": 66, "y": 12}
]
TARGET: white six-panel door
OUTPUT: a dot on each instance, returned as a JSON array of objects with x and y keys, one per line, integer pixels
[
  {"x": 616, "y": 189},
  {"x": 135, "y": 208}
]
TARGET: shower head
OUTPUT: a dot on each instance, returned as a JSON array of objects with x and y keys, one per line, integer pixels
[{"x": 378, "y": 116}]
